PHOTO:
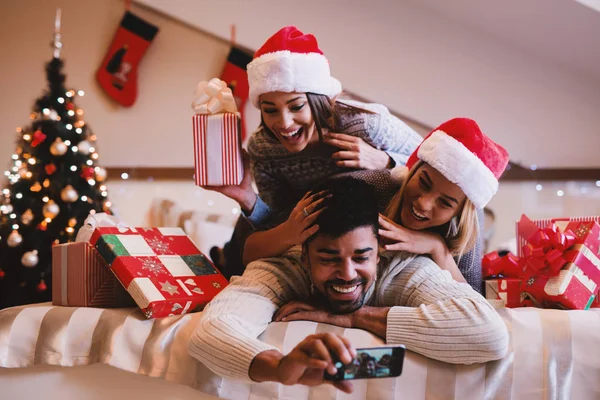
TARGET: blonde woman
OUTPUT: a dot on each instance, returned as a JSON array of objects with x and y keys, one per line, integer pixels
[{"x": 446, "y": 183}]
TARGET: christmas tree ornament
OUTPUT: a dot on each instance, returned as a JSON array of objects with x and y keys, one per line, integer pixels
[
  {"x": 38, "y": 138},
  {"x": 87, "y": 173},
  {"x": 50, "y": 169},
  {"x": 42, "y": 226},
  {"x": 23, "y": 172},
  {"x": 46, "y": 183},
  {"x": 36, "y": 187},
  {"x": 41, "y": 287},
  {"x": 27, "y": 217},
  {"x": 117, "y": 74},
  {"x": 50, "y": 209},
  {"x": 58, "y": 147},
  {"x": 1, "y": 273},
  {"x": 100, "y": 174},
  {"x": 6, "y": 208},
  {"x": 70, "y": 106},
  {"x": 69, "y": 194},
  {"x": 72, "y": 222},
  {"x": 53, "y": 115},
  {"x": 14, "y": 239},
  {"x": 84, "y": 147},
  {"x": 30, "y": 259}
]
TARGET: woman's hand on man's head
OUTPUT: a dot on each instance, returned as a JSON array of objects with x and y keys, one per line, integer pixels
[{"x": 300, "y": 224}]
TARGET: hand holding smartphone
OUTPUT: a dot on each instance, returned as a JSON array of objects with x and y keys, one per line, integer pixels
[{"x": 375, "y": 362}]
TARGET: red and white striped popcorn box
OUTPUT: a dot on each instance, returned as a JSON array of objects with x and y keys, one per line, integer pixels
[
  {"x": 217, "y": 149},
  {"x": 81, "y": 278}
]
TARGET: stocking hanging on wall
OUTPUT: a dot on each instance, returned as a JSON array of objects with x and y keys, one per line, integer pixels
[
  {"x": 118, "y": 73},
  {"x": 234, "y": 74}
]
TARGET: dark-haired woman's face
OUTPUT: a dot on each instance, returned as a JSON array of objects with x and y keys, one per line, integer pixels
[
  {"x": 430, "y": 200},
  {"x": 288, "y": 116}
]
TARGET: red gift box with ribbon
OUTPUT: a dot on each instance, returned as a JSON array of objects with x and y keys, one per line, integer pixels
[
  {"x": 571, "y": 289},
  {"x": 504, "y": 292},
  {"x": 559, "y": 258},
  {"x": 217, "y": 136}
]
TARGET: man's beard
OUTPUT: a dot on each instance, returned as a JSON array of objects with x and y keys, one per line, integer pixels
[{"x": 340, "y": 306}]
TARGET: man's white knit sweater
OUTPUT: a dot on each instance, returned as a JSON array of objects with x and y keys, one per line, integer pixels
[{"x": 430, "y": 313}]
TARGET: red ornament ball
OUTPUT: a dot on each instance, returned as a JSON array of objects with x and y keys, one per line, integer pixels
[
  {"x": 50, "y": 169},
  {"x": 38, "y": 138},
  {"x": 41, "y": 287}
]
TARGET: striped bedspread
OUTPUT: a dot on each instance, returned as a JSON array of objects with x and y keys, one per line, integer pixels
[{"x": 553, "y": 355}]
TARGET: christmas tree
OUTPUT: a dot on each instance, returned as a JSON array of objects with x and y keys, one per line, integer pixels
[{"x": 54, "y": 182}]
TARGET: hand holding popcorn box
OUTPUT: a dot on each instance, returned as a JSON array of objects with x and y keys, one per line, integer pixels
[{"x": 217, "y": 137}]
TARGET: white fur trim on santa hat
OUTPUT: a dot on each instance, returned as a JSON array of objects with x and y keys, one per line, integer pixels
[
  {"x": 284, "y": 71},
  {"x": 460, "y": 166}
]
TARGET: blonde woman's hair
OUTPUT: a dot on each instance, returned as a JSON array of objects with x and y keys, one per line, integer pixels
[{"x": 460, "y": 233}]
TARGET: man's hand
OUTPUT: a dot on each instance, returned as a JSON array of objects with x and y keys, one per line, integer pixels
[
  {"x": 306, "y": 363},
  {"x": 356, "y": 153},
  {"x": 298, "y": 311}
]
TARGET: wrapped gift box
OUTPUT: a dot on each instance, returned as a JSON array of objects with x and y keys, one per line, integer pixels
[
  {"x": 579, "y": 225},
  {"x": 504, "y": 292},
  {"x": 161, "y": 268},
  {"x": 217, "y": 149},
  {"x": 573, "y": 288},
  {"x": 81, "y": 278}
]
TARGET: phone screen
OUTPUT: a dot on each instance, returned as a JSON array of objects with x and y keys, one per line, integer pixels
[{"x": 375, "y": 362}]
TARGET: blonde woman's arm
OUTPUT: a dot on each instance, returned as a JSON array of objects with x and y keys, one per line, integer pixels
[{"x": 419, "y": 242}]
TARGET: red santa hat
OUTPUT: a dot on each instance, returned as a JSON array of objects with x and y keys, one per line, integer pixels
[
  {"x": 465, "y": 156},
  {"x": 290, "y": 61}
]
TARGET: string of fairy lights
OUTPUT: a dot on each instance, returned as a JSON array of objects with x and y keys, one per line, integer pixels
[{"x": 23, "y": 161}]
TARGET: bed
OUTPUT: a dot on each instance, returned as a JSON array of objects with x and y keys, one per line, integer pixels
[{"x": 117, "y": 353}]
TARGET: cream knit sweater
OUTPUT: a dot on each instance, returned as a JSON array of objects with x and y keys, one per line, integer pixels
[{"x": 431, "y": 313}]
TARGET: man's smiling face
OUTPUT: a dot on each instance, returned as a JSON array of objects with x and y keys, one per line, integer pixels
[{"x": 342, "y": 269}]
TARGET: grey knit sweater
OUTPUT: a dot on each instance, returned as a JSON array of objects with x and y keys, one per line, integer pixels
[
  {"x": 430, "y": 313},
  {"x": 282, "y": 178}
]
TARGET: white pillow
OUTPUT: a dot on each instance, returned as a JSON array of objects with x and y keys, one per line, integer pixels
[{"x": 206, "y": 233}]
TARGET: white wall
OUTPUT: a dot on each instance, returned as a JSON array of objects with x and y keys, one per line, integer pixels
[
  {"x": 579, "y": 199},
  {"x": 132, "y": 200},
  {"x": 156, "y": 131},
  {"x": 431, "y": 68}
]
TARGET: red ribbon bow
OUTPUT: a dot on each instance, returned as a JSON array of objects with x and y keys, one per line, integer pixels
[
  {"x": 508, "y": 266},
  {"x": 544, "y": 253}
]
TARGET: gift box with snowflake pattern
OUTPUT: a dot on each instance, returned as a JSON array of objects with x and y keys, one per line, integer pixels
[{"x": 161, "y": 268}]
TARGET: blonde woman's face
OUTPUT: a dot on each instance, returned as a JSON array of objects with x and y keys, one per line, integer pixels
[
  {"x": 288, "y": 116},
  {"x": 430, "y": 200}
]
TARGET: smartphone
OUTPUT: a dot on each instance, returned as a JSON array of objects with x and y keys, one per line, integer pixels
[{"x": 374, "y": 362}]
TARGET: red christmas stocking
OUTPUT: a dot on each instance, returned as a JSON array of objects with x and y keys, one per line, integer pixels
[
  {"x": 118, "y": 73},
  {"x": 234, "y": 74}
]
